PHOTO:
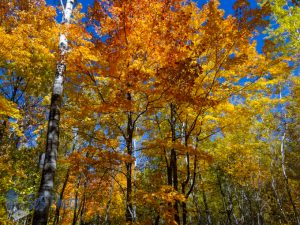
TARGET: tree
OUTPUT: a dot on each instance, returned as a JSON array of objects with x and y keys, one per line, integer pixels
[{"x": 48, "y": 172}]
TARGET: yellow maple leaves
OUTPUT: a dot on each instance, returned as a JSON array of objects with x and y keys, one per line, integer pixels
[
  {"x": 28, "y": 43},
  {"x": 9, "y": 109}
]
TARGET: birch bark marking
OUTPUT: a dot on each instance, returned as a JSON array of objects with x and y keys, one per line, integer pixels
[{"x": 43, "y": 202}]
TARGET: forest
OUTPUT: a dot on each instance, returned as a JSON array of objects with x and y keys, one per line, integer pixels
[{"x": 149, "y": 112}]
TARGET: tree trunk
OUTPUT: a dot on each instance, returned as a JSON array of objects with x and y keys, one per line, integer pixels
[
  {"x": 207, "y": 211},
  {"x": 286, "y": 180},
  {"x": 41, "y": 212},
  {"x": 184, "y": 213},
  {"x": 129, "y": 206},
  {"x": 169, "y": 174},
  {"x": 130, "y": 215},
  {"x": 173, "y": 161},
  {"x": 187, "y": 180},
  {"x": 82, "y": 211},
  {"x": 60, "y": 200},
  {"x": 227, "y": 208},
  {"x": 278, "y": 199},
  {"x": 206, "y": 207},
  {"x": 107, "y": 209},
  {"x": 75, "y": 214}
]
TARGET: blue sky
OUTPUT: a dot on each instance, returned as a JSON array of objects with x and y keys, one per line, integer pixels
[{"x": 225, "y": 4}]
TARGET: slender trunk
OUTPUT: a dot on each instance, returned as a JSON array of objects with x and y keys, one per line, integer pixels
[
  {"x": 231, "y": 203},
  {"x": 183, "y": 185},
  {"x": 275, "y": 190},
  {"x": 173, "y": 161},
  {"x": 240, "y": 204},
  {"x": 61, "y": 196},
  {"x": 251, "y": 213},
  {"x": 75, "y": 215},
  {"x": 207, "y": 211},
  {"x": 225, "y": 206},
  {"x": 184, "y": 213},
  {"x": 169, "y": 174},
  {"x": 206, "y": 207},
  {"x": 60, "y": 200},
  {"x": 130, "y": 215},
  {"x": 129, "y": 205},
  {"x": 156, "y": 222},
  {"x": 282, "y": 218},
  {"x": 107, "y": 217},
  {"x": 63, "y": 214},
  {"x": 286, "y": 180},
  {"x": 175, "y": 183},
  {"x": 47, "y": 182},
  {"x": 259, "y": 203},
  {"x": 278, "y": 201},
  {"x": 198, "y": 209},
  {"x": 82, "y": 211}
]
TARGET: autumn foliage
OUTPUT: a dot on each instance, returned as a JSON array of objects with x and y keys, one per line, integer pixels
[{"x": 172, "y": 113}]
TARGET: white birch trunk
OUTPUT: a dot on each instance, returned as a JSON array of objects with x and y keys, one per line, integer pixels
[
  {"x": 286, "y": 179},
  {"x": 43, "y": 202}
]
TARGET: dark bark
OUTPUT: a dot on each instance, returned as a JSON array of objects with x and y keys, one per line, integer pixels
[
  {"x": 175, "y": 185},
  {"x": 129, "y": 146},
  {"x": 60, "y": 200},
  {"x": 75, "y": 215},
  {"x": 188, "y": 178},
  {"x": 82, "y": 211},
  {"x": 206, "y": 207},
  {"x": 183, "y": 185},
  {"x": 169, "y": 175},
  {"x": 157, "y": 220},
  {"x": 129, "y": 206},
  {"x": 173, "y": 161}
]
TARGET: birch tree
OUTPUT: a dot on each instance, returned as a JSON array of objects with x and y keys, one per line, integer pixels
[{"x": 47, "y": 182}]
